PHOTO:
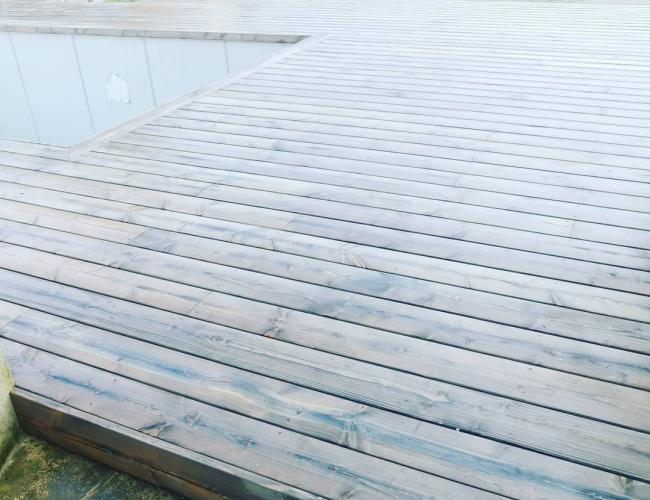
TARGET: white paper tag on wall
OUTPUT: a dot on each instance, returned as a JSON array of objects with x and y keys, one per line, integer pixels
[{"x": 117, "y": 90}]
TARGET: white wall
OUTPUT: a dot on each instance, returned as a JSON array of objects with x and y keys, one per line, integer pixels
[
  {"x": 242, "y": 55},
  {"x": 101, "y": 56},
  {"x": 53, "y": 87},
  {"x": 200, "y": 60},
  {"x": 15, "y": 116}
]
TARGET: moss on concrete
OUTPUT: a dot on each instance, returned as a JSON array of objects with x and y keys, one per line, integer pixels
[
  {"x": 8, "y": 423},
  {"x": 38, "y": 470}
]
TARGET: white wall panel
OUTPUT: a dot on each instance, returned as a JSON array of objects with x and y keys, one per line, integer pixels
[
  {"x": 15, "y": 118},
  {"x": 80, "y": 85},
  {"x": 51, "y": 77},
  {"x": 125, "y": 59},
  {"x": 198, "y": 61}
]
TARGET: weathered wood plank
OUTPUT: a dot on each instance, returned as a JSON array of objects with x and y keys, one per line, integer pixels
[
  {"x": 362, "y": 150},
  {"x": 442, "y": 123},
  {"x": 320, "y": 190},
  {"x": 582, "y": 440},
  {"x": 427, "y": 85},
  {"x": 333, "y": 99},
  {"x": 475, "y": 169},
  {"x": 142, "y": 455},
  {"x": 583, "y": 222},
  {"x": 563, "y": 391},
  {"x": 458, "y": 456},
  {"x": 258, "y": 447},
  {"x": 458, "y": 149},
  {"x": 425, "y": 220},
  {"x": 423, "y": 54},
  {"x": 361, "y": 256},
  {"x": 198, "y": 180},
  {"x": 624, "y": 118},
  {"x": 483, "y": 463},
  {"x": 302, "y": 305},
  {"x": 526, "y": 107},
  {"x": 499, "y": 179},
  {"x": 485, "y": 190},
  {"x": 467, "y": 302},
  {"x": 625, "y": 304},
  {"x": 267, "y": 116}
]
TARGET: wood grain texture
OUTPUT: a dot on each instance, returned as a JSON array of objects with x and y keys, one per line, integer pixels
[
  {"x": 446, "y": 452},
  {"x": 557, "y": 275},
  {"x": 142, "y": 455},
  {"x": 566, "y": 392},
  {"x": 242, "y": 441},
  {"x": 552, "y": 432},
  {"x": 408, "y": 259},
  {"x": 622, "y": 367}
]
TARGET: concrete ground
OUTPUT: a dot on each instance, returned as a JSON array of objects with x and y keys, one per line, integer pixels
[{"x": 36, "y": 470}]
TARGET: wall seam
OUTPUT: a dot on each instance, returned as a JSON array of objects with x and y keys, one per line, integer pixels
[
  {"x": 225, "y": 51},
  {"x": 83, "y": 84},
  {"x": 22, "y": 82},
  {"x": 146, "y": 58}
]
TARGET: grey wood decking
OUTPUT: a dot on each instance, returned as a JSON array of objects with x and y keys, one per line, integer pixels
[{"x": 407, "y": 260}]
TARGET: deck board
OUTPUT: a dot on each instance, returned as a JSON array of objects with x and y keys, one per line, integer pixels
[
  {"x": 360, "y": 307},
  {"x": 531, "y": 426},
  {"x": 409, "y": 259}
]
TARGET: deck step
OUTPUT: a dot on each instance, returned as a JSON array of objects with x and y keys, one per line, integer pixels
[
  {"x": 198, "y": 426},
  {"x": 154, "y": 460},
  {"x": 196, "y": 448}
]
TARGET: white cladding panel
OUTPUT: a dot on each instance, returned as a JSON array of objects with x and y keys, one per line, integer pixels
[
  {"x": 106, "y": 59},
  {"x": 54, "y": 87},
  {"x": 199, "y": 61},
  {"x": 15, "y": 118},
  {"x": 80, "y": 85}
]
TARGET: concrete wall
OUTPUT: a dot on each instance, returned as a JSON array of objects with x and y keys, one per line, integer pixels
[{"x": 63, "y": 88}]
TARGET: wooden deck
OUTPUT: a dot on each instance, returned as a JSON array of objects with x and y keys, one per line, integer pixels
[{"x": 408, "y": 260}]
